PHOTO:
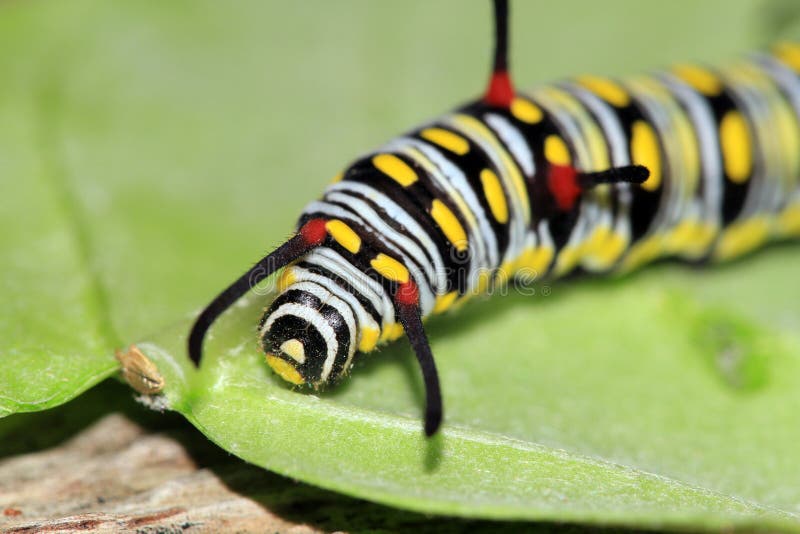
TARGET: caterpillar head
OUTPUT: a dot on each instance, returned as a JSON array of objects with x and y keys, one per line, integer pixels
[{"x": 308, "y": 335}]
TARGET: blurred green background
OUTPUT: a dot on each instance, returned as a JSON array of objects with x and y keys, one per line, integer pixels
[{"x": 150, "y": 151}]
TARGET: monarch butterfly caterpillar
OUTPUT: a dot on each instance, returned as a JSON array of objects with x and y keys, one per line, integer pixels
[{"x": 588, "y": 173}]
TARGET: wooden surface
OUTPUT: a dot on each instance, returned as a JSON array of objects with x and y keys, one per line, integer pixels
[{"x": 103, "y": 464}]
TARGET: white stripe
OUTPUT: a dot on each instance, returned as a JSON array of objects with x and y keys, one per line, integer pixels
[
  {"x": 371, "y": 289},
  {"x": 339, "y": 305},
  {"x": 315, "y": 319},
  {"x": 394, "y": 211},
  {"x": 514, "y": 141}
]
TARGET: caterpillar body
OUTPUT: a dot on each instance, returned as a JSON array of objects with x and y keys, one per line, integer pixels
[{"x": 589, "y": 173}]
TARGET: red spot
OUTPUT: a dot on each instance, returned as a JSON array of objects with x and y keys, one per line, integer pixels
[
  {"x": 12, "y": 512},
  {"x": 500, "y": 92},
  {"x": 407, "y": 294},
  {"x": 314, "y": 231},
  {"x": 563, "y": 184}
]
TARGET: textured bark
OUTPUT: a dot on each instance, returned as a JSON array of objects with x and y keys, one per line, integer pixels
[{"x": 103, "y": 464}]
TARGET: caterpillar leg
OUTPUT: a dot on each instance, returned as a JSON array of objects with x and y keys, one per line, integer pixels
[{"x": 408, "y": 312}]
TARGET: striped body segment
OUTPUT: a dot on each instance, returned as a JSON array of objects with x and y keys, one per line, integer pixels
[{"x": 482, "y": 194}]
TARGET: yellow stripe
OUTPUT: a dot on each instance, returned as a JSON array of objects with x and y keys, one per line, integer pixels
[
  {"x": 446, "y": 139},
  {"x": 495, "y": 196},
  {"x": 556, "y": 151},
  {"x": 337, "y": 178},
  {"x": 526, "y": 111},
  {"x": 789, "y": 53},
  {"x": 734, "y": 137},
  {"x": 700, "y": 79},
  {"x": 645, "y": 151},
  {"x": 395, "y": 168},
  {"x": 477, "y": 128},
  {"x": 443, "y": 302},
  {"x": 449, "y": 224},
  {"x": 390, "y": 268},
  {"x": 344, "y": 235},
  {"x": 606, "y": 89}
]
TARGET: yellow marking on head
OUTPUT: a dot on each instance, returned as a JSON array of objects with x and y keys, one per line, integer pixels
[
  {"x": 789, "y": 220},
  {"x": 344, "y": 235},
  {"x": 286, "y": 278},
  {"x": 556, "y": 151},
  {"x": 645, "y": 151},
  {"x": 495, "y": 196},
  {"x": 608, "y": 90},
  {"x": 369, "y": 338},
  {"x": 446, "y": 139},
  {"x": 449, "y": 224},
  {"x": 284, "y": 369},
  {"x": 699, "y": 78},
  {"x": 294, "y": 349},
  {"x": 737, "y": 155},
  {"x": 526, "y": 111},
  {"x": 741, "y": 238},
  {"x": 788, "y": 53},
  {"x": 395, "y": 168},
  {"x": 390, "y": 268},
  {"x": 443, "y": 302},
  {"x": 337, "y": 178}
]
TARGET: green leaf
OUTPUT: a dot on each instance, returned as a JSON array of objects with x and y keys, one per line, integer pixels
[{"x": 165, "y": 146}]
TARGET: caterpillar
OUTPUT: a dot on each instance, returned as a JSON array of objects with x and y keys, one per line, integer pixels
[{"x": 588, "y": 174}]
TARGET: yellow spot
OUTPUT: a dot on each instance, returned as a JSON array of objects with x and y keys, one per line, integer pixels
[
  {"x": 645, "y": 151},
  {"x": 393, "y": 331},
  {"x": 294, "y": 349},
  {"x": 449, "y": 224},
  {"x": 699, "y": 78},
  {"x": 612, "y": 249},
  {"x": 690, "y": 238},
  {"x": 535, "y": 261},
  {"x": 789, "y": 53},
  {"x": 369, "y": 338},
  {"x": 643, "y": 252},
  {"x": 734, "y": 137},
  {"x": 284, "y": 369},
  {"x": 337, "y": 178},
  {"x": 443, "y": 302},
  {"x": 390, "y": 268},
  {"x": 741, "y": 238},
  {"x": 395, "y": 168},
  {"x": 602, "y": 249},
  {"x": 556, "y": 151},
  {"x": 286, "y": 279},
  {"x": 495, "y": 196},
  {"x": 789, "y": 220},
  {"x": 606, "y": 89},
  {"x": 526, "y": 111},
  {"x": 446, "y": 139},
  {"x": 344, "y": 235}
]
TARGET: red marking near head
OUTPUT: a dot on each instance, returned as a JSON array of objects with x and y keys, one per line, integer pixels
[
  {"x": 314, "y": 231},
  {"x": 562, "y": 181},
  {"x": 407, "y": 294},
  {"x": 500, "y": 92}
]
